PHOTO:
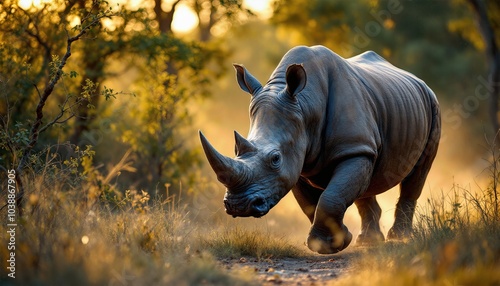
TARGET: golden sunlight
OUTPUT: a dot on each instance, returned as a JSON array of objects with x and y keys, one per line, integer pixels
[
  {"x": 26, "y": 4},
  {"x": 85, "y": 239},
  {"x": 260, "y": 7},
  {"x": 185, "y": 19}
]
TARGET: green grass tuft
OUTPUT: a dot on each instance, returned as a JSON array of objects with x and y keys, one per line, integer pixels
[{"x": 237, "y": 242}]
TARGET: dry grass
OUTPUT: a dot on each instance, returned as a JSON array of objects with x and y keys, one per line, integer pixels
[
  {"x": 122, "y": 250},
  {"x": 62, "y": 239},
  {"x": 77, "y": 229},
  {"x": 456, "y": 241}
]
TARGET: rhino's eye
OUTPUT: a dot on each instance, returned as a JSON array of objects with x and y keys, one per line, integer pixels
[{"x": 275, "y": 159}]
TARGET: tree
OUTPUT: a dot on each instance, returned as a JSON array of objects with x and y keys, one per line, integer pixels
[
  {"x": 487, "y": 19},
  {"x": 175, "y": 72},
  {"x": 394, "y": 29},
  {"x": 54, "y": 58},
  {"x": 54, "y": 75},
  {"x": 213, "y": 12},
  {"x": 330, "y": 23}
]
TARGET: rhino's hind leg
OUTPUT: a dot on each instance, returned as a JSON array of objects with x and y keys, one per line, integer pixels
[
  {"x": 370, "y": 213},
  {"x": 410, "y": 190},
  {"x": 411, "y": 186},
  {"x": 402, "y": 227}
]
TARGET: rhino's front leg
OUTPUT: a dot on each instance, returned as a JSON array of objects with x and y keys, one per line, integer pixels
[
  {"x": 307, "y": 196},
  {"x": 350, "y": 179}
]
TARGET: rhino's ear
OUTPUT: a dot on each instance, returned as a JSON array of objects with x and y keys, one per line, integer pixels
[
  {"x": 296, "y": 79},
  {"x": 246, "y": 81}
]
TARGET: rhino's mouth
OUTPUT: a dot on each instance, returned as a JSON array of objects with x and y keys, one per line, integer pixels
[{"x": 254, "y": 205}]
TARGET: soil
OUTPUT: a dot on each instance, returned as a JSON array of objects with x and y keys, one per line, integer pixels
[{"x": 305, "y": 270}]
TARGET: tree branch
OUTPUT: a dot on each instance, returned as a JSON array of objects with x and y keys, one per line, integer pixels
[{"x": 36, "y": 127}]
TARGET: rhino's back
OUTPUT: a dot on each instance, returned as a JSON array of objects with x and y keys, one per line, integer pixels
[{"x": 404, "y": 108}]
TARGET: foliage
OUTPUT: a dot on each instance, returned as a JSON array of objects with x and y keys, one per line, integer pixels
[
  {"x": 394, "y": 29},
  {"x": 52, "y": 73},
  {"x": 156, "y": 128},
  {"x": 55, "y": 58}
]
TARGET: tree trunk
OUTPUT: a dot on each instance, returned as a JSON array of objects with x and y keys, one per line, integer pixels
[
  {"x": 163, "y": 18},
  {"x": 204, "y": 28},
  {"x": 493, "y": 58},
  {"x": 494, "y": 85}
]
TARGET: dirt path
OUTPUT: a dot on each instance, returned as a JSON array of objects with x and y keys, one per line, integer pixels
[{"x": 307, "y": 270}]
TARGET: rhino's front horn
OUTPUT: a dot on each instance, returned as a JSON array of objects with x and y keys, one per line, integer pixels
[
  {"x": 229, "y": 172},
  {"x": 242, "y": 145}
]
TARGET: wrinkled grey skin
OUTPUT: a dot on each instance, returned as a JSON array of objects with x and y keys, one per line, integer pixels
[{"x": 336, "y": 132}]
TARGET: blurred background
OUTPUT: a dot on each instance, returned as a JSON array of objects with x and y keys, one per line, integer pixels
[{"x": 147, "y": 75}]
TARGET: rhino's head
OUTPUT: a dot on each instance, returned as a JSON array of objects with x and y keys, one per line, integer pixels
[{"x": 269, "y": 162}]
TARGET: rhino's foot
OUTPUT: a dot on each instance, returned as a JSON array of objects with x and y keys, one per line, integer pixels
[
  {"x": 324, "y": 242},
  {"x": 369, "y": 238},
  {"x": 399, "y": 234}
]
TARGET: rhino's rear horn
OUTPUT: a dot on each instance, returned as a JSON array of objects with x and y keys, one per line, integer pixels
[
  {"x": 242, "y": 145},
  {"x": 228, "y": 171}
]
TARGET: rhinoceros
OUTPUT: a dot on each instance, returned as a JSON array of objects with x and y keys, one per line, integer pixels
[{"x": 335, "y": 131}]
